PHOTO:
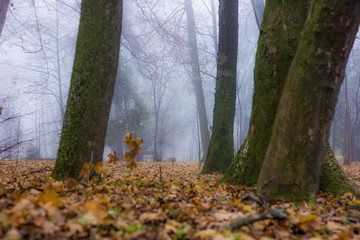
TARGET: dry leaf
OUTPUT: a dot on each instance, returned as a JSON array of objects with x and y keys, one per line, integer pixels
[
  {"x": 50, "y": 196},
  {"x": 208, "y": 233}
]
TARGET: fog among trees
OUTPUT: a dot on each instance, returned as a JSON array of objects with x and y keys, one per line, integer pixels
[
  {"x": 37, "y": 53},
  {"x": 179, "y": 119}
]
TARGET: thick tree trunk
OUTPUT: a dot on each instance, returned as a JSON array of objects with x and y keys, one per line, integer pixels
[
  {"x": 221, "y": 150},
  {"x": 280, "y": 30},
  {"x": 245, "y": 167},
  {"x": 199, "y": 93},
  {"x": 92, "y": 83},
  {"x": 291, "y": 171},
  {"x": 4, "y": 5}
]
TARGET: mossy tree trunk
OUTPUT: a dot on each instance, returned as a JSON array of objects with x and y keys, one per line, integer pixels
[
  {"x": 4, "y": 5},
  {"x": 333, "y": 178},
  {"x": 92, "y": 84},
  {"x": 269, "y": 81},
  {"x": 199, "y": 93},
  {"x": 221, "y": 150},
  {"x": 291, "y": 171},
  {"x": 279, "y": 36}
]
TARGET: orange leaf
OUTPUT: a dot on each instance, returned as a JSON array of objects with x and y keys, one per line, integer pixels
[
  {"x": 99, "y": 168},
  {"x": 50, "y": 196},
  {"x": 84, "y": 173},
  {"x": 71, "y": 183}
]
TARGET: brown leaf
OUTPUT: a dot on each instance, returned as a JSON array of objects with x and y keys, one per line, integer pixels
[{"x": 50, "y": 196}]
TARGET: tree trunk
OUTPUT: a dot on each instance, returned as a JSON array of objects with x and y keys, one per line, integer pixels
[
  {"x": 4, "y": 5},
  {"x": 291, "y": 171},
  {"x": 199, "y": 93},
  {"x": 221, "y": 150},
  {"x": 347, "y": 128},
  {"x": 92, "y": 83},
  {"x": 279, "y": 36},
  {"x": 245, "y": 167}
]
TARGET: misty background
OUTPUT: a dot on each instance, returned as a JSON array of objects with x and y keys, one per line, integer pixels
[{"x": 154, "y": 95}]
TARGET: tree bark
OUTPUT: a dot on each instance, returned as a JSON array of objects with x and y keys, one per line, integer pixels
[
  {"x": 292, "y": 167},
  {"x": 221, "y": 150},
  {"x": 4, "y": 5},
  {"x": 92, "y": 83},
  {"x": 199, "y": 93},
  {"x": 279, "y": 36},
  {"x": 332, "y": 178}
]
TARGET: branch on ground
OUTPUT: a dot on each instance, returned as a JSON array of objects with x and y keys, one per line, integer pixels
[
  {"x": 278, "y": 214},
  {"x": 45, "y": 169}
]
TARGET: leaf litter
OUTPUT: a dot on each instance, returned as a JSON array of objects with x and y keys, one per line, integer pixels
[{"x": 158, "y": 201}]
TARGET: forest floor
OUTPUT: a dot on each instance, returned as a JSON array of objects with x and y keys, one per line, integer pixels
[{"x": 159, "y": 201}]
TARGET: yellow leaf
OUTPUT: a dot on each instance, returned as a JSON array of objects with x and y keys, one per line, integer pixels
[
  {"x": 50, "y": 196},
  {"x": 128, "y": 138},
  {"x": 94, "y": 179},
  {"x": 89, "y": 144},
  {"x": 84, "y": 173},
  {"x": 196, "y": 201},
  {"x": 112, "y": 157},
  {"x": 99, "y": 168},
  {"x": 344, "y": 235},
  {"x": 247, "y": 208},
  {"x": 132, "y": 165},
  {"x": 51, "y": 179},
  {"x": 139, "y": 141},
  {"x": 308, "y": 218},
  {"x": 71, "y": 183},
  {"x": 134, "y": 146}
]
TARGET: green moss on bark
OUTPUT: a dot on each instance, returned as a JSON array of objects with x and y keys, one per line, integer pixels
[
  {"x": 278, "y": 40},
  {"x": 333, "y": 179},
  {"x": 294, "y": 157},
  {"x": 92, "y": 84},
  {"x": 220, "y": 151}
]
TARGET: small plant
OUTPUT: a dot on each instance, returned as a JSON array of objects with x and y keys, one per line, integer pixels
[{"x": 134, "y": 146}]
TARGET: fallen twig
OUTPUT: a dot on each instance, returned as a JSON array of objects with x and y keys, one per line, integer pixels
[
  {"x": 42, "y": 190},
  {"x": 273, "y": 214},
  {"x": 45, "y": 169},
  {"x": 31, "y": 187}
]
